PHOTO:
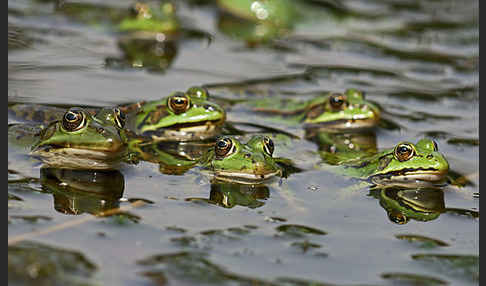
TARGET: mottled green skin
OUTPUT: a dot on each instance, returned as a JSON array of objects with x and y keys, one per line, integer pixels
[
  {"x": 152, "y": 16},
  {"x": 402, "y": 205},
  {"x": 94, "y": 146},
  {"x": 155, "y": 120},
  {"x": 248, "y": 164},
  {"x": 427, "y": 165},
  {"x": 356, "y": 112},
  {"x": 279, "y": 13}
]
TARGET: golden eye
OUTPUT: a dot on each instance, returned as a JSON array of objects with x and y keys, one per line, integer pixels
[
  {"x": 403, "y": 152},
  {"x": 268, "y": 146},
  {"x": 120, "y": 118},
  {"x": 337, "y": 100},
  {"x": 73, "y": 120},
  {"x": 224, "y": 147},
  {"x": 179, "y": 103}
]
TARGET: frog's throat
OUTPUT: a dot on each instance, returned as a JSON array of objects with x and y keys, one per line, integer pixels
[
  {"x": 71, "y": 158},
  {"x": 244, "y": 178},
  {"x": 186, "y": 131},
  {"x": 343, "y": 124},
  {"x": 410, "y": 175}
]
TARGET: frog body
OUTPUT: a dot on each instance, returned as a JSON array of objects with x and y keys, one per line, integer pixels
[
  {"x": 182, "y": 116},
  {"x": 232, "y": 161},
  {"x": 330, "y": 111},
  {"x": 405, "y": 164},
  {"x": 80, "y": 141}
]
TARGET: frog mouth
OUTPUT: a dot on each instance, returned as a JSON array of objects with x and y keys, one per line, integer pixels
[
  {"x": 75, "y": 158},
  {"x": 244, "y": 178},
  {"x": 343, "y": 124},
  {"x": 187, "y": 131},
  {"x": 411, "y": 175}
]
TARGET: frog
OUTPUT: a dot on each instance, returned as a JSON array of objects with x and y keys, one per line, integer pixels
[
  {"x": 406, "y": 164},
  {"x": 252, "y": 162},
  {"x": 81, "y": 141},
  {"x": 330, "y": 111},
  {"x": 182, "y": 116},
  {"x": 151, "y": 16},
  {"x": 83, "y": 191}
]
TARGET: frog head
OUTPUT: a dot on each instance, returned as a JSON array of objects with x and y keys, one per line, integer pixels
[
  {"x": 342, "y": 111},
  {"x": 250, "y": 163},
  {"x": 79, "y": 141},
  {"x": 182, "y": 116}
]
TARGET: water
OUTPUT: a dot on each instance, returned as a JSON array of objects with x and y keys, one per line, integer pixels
[{"x": 417, "y": 60}]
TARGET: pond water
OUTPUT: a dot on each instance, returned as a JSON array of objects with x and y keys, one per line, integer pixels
[{"x": 418, "y": 60}]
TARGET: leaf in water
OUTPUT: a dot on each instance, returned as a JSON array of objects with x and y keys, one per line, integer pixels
[
  {"x": 31, "y": 218},
  {"x": 305, "y": 245},
  {"x": 457, "y": 266},
  {"x": 413, "y": 279},
  {"x": 33, "y": 263},
  {"x": 421, "y": 241},
  {"x": 295, "y": 230}
]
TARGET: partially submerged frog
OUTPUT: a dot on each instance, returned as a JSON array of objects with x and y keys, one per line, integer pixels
[
  {"x": 250, "y": 163},
  {"x": 151, "y": 16},
  {"x": 330, "y": 112},
  {"x": 182, "y": 116},
  {"x": 81, "y": 141},
  {"x": 405, "y": 164}
]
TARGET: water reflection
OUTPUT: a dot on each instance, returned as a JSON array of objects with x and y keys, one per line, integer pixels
[
  {"x": 229, "y": 195},
  {"x": 82, "y": 191},
  {"x": 144, "y": 52},
  {"x": 335, "y": 147},
  {"x": 419, "y": 204}
]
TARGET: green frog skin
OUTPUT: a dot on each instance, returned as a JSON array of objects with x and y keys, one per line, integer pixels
[
  {"x": 406, "y": 163},
  {"x": 78, "y": 141},
  {"x": 250, "y": 163}
]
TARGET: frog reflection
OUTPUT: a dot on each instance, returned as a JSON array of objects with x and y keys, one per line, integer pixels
[
  {"x": 403, "y": 204},
  {"x": 82, "y": 191},
  {"x": 229, "y": 195},
  {"x": 337, "y": 147},
  {"x": 174, "y": 158},
  {"x": 151, "y": 53}
]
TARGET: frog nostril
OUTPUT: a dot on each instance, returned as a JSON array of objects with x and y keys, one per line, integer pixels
[
  {"x": 248, "y": 155},
  {"x": 430, "y": 156}
]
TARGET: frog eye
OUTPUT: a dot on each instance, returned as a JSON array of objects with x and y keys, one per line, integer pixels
[
  {"x": 268, "y": 146},
  {"x": 397, "y": 218},
  {"x": 337, "y": 100},
  {"x": 120, "y": 118},
  {"x": 179, "y": 103},
  {"x": 73, "y": 120},
  {"x": 224, "y": 147},
  {"x": 403, "y": 152}
]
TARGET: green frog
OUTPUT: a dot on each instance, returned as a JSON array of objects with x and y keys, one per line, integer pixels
[
  {"x": 233, "y": 161},
  {"x": 405, "y": 164},
  {"x": 329, "y": 112},
  {"x": 81, "y": 141},
  {"x": 182, "y": 116},
  {"x": 79, "y": 191},
  {"x": 151, "y": 16}
]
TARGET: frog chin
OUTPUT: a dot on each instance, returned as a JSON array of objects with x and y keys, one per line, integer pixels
[
  {"x": 343, "y": 124},
  {"x": 73, "y": 158},
  {"x": 413, "y": 178},
  {"x": 186, "y": 132},
  {"x": 244, "y": 178}
]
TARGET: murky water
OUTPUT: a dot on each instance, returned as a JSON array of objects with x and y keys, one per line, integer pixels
[{"x": 417, "y": 59}]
